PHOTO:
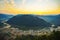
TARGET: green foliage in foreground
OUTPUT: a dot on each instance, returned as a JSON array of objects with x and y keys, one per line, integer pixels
[{"x": 55, "y": 35}]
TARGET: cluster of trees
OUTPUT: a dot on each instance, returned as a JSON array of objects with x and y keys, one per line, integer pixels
[
  {"x": 53, "y": 36},
  {"x": 8, "y": 36}
]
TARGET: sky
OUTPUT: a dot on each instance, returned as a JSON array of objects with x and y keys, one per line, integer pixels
[{"x": 40, "y": 7}]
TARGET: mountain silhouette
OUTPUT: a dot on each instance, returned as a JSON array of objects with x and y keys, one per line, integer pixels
[
  {"x": 53, "y": 19},
  {"x": 56, "y": 21},
  {"x": 28, "y": 22},
  {"x": 5, "y": 17}
]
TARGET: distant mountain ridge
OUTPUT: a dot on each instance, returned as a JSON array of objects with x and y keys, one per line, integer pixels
[
  {"x": 5, "y": 17},
  {"x": 28, "y": 21},
  {"x": 53, "y": 19}
]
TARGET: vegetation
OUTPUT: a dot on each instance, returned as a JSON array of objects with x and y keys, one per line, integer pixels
[
  {"x": 9, "y": 36},
  {"x": 53, "y": 36}
]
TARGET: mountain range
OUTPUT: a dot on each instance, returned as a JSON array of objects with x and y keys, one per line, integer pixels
[
  {"x": 28, "y": 22},
  {"x": 5, "y": 17},
  {"x": 53, "y": 19}
]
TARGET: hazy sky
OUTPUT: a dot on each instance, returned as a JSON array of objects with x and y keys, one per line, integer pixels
[
  {"x": 37, "y": 5},
  {"x": 27, "y": 6}
]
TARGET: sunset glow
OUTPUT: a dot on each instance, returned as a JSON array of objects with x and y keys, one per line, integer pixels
[{"x": 40, "y": 7}]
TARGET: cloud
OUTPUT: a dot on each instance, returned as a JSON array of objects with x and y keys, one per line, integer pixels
[
  {"x": 39, "y": 5},
  {"x": 23, "y": 2},
  {"x": 9, "y": 3},
  {"x": 30, "y": 5},
  {"x": 13, "y": 3}
]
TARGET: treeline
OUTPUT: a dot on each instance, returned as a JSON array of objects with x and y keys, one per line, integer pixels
[{"x": 55, "y": 35}]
